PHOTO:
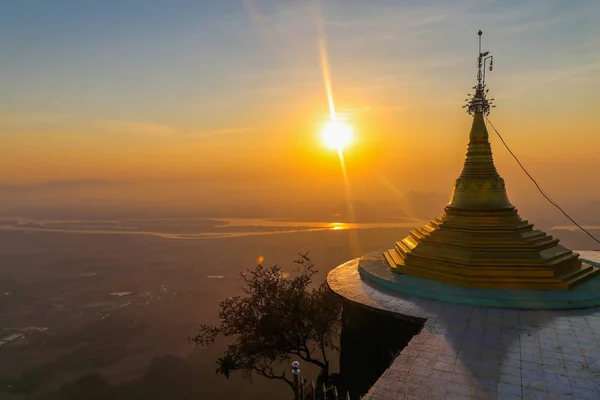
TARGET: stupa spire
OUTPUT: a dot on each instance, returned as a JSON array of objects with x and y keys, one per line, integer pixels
[
  {"x": 480, "y": 241},
  {"x": 478, "y": 102},
  {"x": 479, "y": 186}
]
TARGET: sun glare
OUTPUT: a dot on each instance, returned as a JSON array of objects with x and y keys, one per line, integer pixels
[
  {"x": 338, "y": 226},
  {"x": 337, "y": 135}
]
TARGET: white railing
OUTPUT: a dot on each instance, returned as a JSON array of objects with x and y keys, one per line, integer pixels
[{"x": 305, "y": 391}]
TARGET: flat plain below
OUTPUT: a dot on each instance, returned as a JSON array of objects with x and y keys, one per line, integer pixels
[{"x": 123, "y": 306}]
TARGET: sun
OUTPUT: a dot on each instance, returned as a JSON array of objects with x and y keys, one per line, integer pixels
[{"x": 337, "y": 135}]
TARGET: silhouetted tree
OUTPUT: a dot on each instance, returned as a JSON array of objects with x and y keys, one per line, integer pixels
[{"x": 277, "y": 318}]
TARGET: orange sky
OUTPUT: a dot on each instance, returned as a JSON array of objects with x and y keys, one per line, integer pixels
[{"x": 243, "y": 111}]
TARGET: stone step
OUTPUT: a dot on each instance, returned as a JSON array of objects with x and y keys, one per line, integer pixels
[
  {"x": 544, "y": 243},
  {"x": 483, "y": 243},
  {"x": 423, "y": 231},
  {"x": 517, "y": 283},
  {"x": 402, "y": 249},
  {"x": 476, "y": 226},
  {"x": 417, "y": 235},
  {"x": 388, "y": 258},
  {"x": 474, "y": 272},
  {"x": 586, "y": 272},
  {"x": 447, "y": 235},
  {"x": 428, "y": 228},
  {"x": 534, "y": 234},
  {"x": 410, "y": 242},
  {"x": 461, "y": 260},
  {"x": 563, "y": 257},
  {"x": 396, "y": 259},
  {"x": 486, "y": 248}
]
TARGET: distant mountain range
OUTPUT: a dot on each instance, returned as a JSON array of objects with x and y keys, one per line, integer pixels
[
  {"x": 7, "y": 188},
  {"x": 106, "y": 199}
]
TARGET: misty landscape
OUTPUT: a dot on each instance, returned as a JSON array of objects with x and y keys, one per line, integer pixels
[
  {"x": 104, "y": 307},
  {"x": 76, "y": 304}
]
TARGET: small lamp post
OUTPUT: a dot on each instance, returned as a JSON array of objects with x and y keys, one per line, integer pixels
[{"x": 296, "y": 372}]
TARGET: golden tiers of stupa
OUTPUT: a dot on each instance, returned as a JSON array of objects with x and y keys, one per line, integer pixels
[{"x": 480, "y": 241}]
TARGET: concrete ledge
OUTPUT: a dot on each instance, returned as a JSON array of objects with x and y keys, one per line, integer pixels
[{"x": 374, "y": 268}]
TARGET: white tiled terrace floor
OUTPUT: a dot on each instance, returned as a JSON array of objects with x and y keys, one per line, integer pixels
[{"x": 470, "y": 352}]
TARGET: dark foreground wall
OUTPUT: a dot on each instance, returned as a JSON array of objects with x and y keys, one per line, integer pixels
[{"x": 370, "y": 340}]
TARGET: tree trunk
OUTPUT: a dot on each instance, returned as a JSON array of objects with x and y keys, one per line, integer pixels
[{"x": 323, "y": 377}]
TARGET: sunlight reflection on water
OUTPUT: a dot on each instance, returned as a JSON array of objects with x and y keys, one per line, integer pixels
[
  {"x": 338, "y": 226},
  {"x": 223, "y": 228}
]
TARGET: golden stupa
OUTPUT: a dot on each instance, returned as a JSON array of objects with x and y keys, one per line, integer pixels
[{"x": 480, "y": 241}]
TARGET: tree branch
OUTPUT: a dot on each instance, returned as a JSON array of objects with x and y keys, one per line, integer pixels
[
  {"x": 307, "y": 358},
  {"x": 271, "y": 375},
  {"x": 323, "y": 350}
]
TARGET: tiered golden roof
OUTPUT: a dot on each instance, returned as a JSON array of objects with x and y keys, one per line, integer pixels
[{"x": 480, "y": 241}]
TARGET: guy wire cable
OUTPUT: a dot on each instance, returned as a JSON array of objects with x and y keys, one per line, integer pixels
[{"x": 537, "y": 185}]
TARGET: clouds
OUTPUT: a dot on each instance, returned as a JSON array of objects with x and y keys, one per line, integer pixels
[
  {"x": 141, "y": 128},
  {"x": 579, "y": 73},
  {"x": 32, "y": 118},
  {"x": 409, "y": 43},
  {"x": 156, "y": 130},
  {"x": 215, "y": 133},
  {"x": 48, "y": 122}
]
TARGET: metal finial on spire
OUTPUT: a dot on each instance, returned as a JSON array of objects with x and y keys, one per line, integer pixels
[{"x": 479, "y": 103}]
